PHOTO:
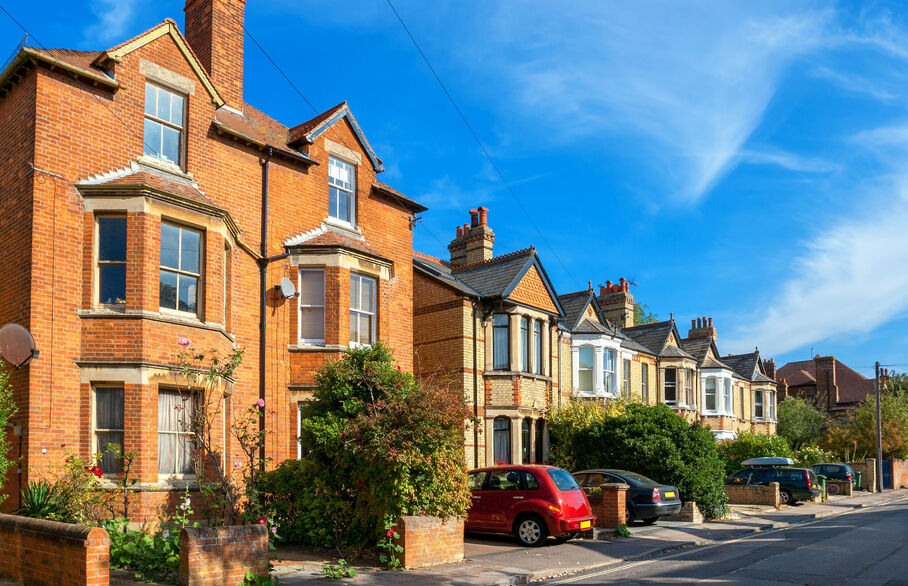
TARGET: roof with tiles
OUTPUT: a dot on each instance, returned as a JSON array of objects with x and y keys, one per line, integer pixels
[
  {"x": 748, "y": 366},
  {"x": 81, "y": 59},
  {"x": 301, "y": 131},
  {"x": 853, "y": 386},
  {"x": 327, "y": 238},
  {"x": 574, "y": 305},
  {"x": 655, "y": 338},
  {"x": 144, "y": 176},
  {"x": 492, "y": 277}
]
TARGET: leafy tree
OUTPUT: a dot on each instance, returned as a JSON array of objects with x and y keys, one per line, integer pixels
[
  {"x": 643, "y": 316},
  {"x": 376, "y": 445},
  {"x": 750, "y": 445},
  {"x": 652, "y": 441},
  {"x": 894, "y": 416},
  {"x": 800, "y": 422},
  {"x": 7, "y": 411}
]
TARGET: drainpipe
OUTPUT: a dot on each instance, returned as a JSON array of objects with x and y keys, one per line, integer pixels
[
  {"x": 263, "y": 292},
  {"x": 475, "y": 394}
]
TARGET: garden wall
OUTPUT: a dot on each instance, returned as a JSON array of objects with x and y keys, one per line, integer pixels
[
  {"x": 429, "y": 541},
  {"x": 609, "y": 507},
  {"x": 867, "y": 468},
  {"x": 843, "y": 487},
  {"x": 689, "y": 513},
  {"x": 211, "y": 556},
  {"x": 754, "y": 495},
  {"x": 899, "y": 473},
  {"x": 37, "y": 551}
]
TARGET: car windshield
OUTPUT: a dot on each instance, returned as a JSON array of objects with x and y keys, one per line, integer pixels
[
  {"x": 562, "y": 479},
  {"x": 639, "y": 479}
]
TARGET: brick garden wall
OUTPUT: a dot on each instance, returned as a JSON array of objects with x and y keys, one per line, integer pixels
[
  {"x": 867, "y": 468},
  {"x": 754, "y": 495},
  {"x": 899, "y": 473},
  {"x": 844, "y": 487},
  {"x": 211, "y": 556},
  {"x": 36, "y": 551},
  {"x": 429, "y": 541},
  {"x": 610, "y": 506}
]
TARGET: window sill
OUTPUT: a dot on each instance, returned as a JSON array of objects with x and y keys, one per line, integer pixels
[
  {"x": 163, "y": 165},
  {"x": 164, "y": 484},
  {"x": 345, "y": 226},
  {"x": 310, "y": 347},
  {"x": 175, "y": 318}
]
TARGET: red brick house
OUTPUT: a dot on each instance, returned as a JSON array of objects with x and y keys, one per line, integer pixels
[
  {"x": 144, "y": 201},
  {"x": 827, "y": 383}
]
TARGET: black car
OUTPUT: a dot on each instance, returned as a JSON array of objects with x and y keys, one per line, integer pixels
[
  {"x": 795, "y": 484},
  {"x": 646, "y": 500},
  {"x": 835, "y": 472}
]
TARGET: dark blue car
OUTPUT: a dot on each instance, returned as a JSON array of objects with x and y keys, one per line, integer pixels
[{"x": 646, "y": 500}]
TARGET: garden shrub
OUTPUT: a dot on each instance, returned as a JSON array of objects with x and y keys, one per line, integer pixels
[
  {"x": 810, "y": 455},
  {"x": 800, "y": 422},
  {"x": 653, "y": 441},
  {"x": 750, "y": 445},
  {"x": 7, "y": 410},
  {"x": 376, "y": 445}
]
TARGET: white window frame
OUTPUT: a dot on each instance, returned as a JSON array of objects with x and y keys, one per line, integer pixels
[
  {"x": 688, "y": 387},
  {"x": 349, "y": 191},
  {"x": 761, "y": 403},
  {"x": 299, "y": 429},
  {"x": 729, "y": 397},
  {"x": 706, "y": 394},
  {"x": 180, "y": 272},
  {"x": 665, "y": 383},
  {"x": 359, "y": 311},
  {"x": 591, "y": 369},
  {"x": 159, "y": 148},
  {"x": 771, "y": 396},
  {"x": 525, "y": 343},
  {"x": 537, "y": 347},
  {"x": 644, "y": 382},
  {"x": 302, "y": 306},
  {"x": 609, "y": 375},
  {"x": 626, "y": 377}
]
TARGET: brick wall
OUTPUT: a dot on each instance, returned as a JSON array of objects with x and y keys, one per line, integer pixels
[
  {"x": 754, "y": 495},
  {"x": 899, "y": 473},
  {"x": 222, "y": 555},
  {"x": 429, "y": 541},
  {"x": 689, "y": 513},
  {"x": 867, "y": 468},
  {"x": 839, "y": 487},
  {"x": 610, "y": 506},
  {"x": 36, "y": 551}
]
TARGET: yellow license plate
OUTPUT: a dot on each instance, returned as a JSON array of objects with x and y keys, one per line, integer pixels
[
  {"x": 670, "y": 494},
  {"x": 585, "y": 524}
]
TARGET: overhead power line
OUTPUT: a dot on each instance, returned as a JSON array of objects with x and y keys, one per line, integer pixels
[{"x": 476, "y": 138}]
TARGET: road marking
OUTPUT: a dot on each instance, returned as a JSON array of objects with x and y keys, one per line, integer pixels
[{"x": 688, "y": 551}]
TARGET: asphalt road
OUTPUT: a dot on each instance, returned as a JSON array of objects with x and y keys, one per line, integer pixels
[{"x": 869, "y": 546}]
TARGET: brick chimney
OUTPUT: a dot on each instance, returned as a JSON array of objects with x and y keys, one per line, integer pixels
[
  {"x": 827, "y": 389},
  {"x": 474, "y": 241},
  {"x": 769, "y": 366},
  {"x": 214, "y": 30},
  {"x": 617, "y": 303},
  {"x": 702, "y": 327}
]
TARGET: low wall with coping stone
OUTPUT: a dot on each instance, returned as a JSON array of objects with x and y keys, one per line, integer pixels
[
  {"x": 429, "y": 541},
  {"x": 689, "y": 513},
  {"x": 37, "y": 551},
  {"x": 211, "y": 556},
  {"x": 754, "y": 495},
  {"x": 609, "y": 506},
  {"x": 867, "y": 468},
  {"x": 842, "y": 487}
]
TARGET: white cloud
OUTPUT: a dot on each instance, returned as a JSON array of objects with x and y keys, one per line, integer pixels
[
  {"x": 851, "y": 278},
  {"x": 113, "y": 18},
  {"x": 445, "y": 193},
  {"x": 790, "y": 161},
  {"x": 693, "y": 81}
]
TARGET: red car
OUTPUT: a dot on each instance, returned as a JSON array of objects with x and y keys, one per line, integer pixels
[{"x": 532, "y": 502}]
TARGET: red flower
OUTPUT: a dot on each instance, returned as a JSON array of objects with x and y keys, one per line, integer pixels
[
  {"x": 262, "y": 520},
  {"x": 66, "y": 460},
  {"x": 390, "y": 532},
  {"x": 62, "y": 445}
]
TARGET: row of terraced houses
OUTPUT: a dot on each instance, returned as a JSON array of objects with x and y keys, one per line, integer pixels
[{"x": 145, "y": 201}]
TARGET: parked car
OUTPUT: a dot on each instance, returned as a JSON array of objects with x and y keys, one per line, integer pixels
[
  {"x": 835, "y": 472},
  {"x": 646, "y": 499},
  {"x": 795, "y": 484},
  {"x": 531, "y": 502}
]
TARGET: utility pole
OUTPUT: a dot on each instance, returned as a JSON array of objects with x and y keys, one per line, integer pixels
[{"x": 879, "y": 433}]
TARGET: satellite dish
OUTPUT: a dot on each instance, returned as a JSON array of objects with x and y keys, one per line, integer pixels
[
  {"x": 287, "y": 288},
  {"x": 17, "y": 345}
]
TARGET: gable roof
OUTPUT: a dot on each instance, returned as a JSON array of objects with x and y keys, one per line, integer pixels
[
  {"x": 168, "y": 27},
  {"x": 853, "y": 386},
  {"x": 408, "y": 202},
  {"x": 749, "y": 366},
  {"x": 311, "y": 129},
  {"x": 575, "y": 304},
  {"x": 656, "y": 338},
  {"x": 495, "y": 278}
]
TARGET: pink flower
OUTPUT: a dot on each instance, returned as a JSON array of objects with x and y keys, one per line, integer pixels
[
  {"x": 236, "y": 464},
  {"x": 184, "y": 341},
  {"x": 274, "y": 530},
  {"x": 260, "y": 402},
  {"x": 262, "y": 520}
]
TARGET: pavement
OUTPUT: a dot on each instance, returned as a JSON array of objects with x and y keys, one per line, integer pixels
[{"x": 500, "y": 560}]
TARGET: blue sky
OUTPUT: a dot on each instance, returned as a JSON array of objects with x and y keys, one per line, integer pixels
[{"x": 744, "y": 161}]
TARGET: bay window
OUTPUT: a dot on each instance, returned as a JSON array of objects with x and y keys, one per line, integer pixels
[
  {"x": 585, "y": 368},
  {"x": 111, "y": 260},
  {"x": 609, "y": 382},
  {"x": 688, "y": 387},
  {"x": 710, "y": 394},
  {"x": 670, "y": 385},
  {"x": 175, "y": 450},
  {"x": 109, "y": 427},
  {"x": 537, "y": 345},
  {"x": 312, "y": 306},
  {"x": 729, "y": 393},
  {"x": 362, "y": 309},
  {"x": 758, "y": 404},
  {"x": 180, "y": 268},
  {"x": 525, "y": 344},
  {"x": 501, "y": 440},
  {"x": 501, "y": 347}
]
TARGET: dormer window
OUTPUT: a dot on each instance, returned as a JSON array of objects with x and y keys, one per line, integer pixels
[
  {"x": 164, "y": 124},
  {"x": 341, "y": 190}
]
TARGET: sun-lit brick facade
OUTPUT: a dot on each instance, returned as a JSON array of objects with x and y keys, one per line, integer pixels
[{"x": 76, "y": 147}]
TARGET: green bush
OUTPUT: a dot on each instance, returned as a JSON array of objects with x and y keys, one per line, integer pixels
[
  {"x": 41, "y": 500},
  {"x": 653, "y": 441},
  {"x": 7, "y": 410},
  {"x": 750, "y": 445},
  {"x": 800, "y": 422},
  {"x": 376, "y": 445}
]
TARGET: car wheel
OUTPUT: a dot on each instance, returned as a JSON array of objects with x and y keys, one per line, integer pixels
[
  {"x": 786, "y": 497},
  {"x": 833, "y": 489},
  {"x": 650, "y": 521},
  {"x": 530, "y": 530},
  {"x": 628, "y": 514}
]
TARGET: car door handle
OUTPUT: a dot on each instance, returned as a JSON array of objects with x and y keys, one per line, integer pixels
[{"x": 518, "y": 498}]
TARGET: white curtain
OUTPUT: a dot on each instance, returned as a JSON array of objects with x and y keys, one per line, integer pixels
[{"x": 174, "y": 448}]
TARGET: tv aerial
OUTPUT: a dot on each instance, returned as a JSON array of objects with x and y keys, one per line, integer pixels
[{"x": 17, "y": 346}]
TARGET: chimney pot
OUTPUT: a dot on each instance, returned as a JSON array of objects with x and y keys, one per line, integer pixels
[
  {"x": 483, "y": 211},
  {"x": 608, "y": 284},
  {"x": 699, "y": 323},
  {"x": 602, "y": 290},
  {"x": 474, "y": 218},
  {"x": 710, "y": 322},
  {"x": 693, "y": 324},
  {"x": 621, "y": 280},
  {"x": 459, "y": 231},
  {"x": 589, "y": 284}
]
